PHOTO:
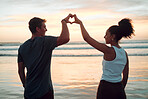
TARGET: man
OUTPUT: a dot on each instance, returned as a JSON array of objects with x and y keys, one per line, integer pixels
[{"x": 35, "y": 54}]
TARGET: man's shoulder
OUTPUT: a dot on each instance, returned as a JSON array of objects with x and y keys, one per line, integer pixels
[{"x": 24, "y": 44}]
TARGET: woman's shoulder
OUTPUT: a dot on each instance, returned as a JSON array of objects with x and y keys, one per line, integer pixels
[{"x": 111, "y": 55}]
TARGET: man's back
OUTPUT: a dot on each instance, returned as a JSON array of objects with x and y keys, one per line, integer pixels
[{"x": 36, "y": 56}]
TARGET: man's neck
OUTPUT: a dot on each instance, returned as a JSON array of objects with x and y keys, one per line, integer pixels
[{"x": 35, "y": 35}]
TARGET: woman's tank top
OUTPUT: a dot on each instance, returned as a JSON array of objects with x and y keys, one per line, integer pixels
[{"x": 112, "y": 70}]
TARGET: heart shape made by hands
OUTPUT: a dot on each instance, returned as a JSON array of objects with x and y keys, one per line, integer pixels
[{"x": 71, "y": 19}]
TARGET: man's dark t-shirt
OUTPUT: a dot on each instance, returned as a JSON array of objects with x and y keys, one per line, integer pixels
[{"x": 36, "y": 56}]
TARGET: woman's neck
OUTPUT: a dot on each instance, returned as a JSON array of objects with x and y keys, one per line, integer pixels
[{"x": 115, "y": 44}]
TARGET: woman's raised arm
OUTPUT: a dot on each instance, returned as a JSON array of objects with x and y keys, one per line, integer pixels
[{"x": 97, "y": 45}]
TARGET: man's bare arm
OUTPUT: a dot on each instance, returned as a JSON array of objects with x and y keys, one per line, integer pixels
[
  {"x": 64, "y": 36},
  {"x": 21, "y": 72}
]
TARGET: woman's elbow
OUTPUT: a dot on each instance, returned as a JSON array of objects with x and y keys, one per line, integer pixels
[{"x": 86, "y": 38}]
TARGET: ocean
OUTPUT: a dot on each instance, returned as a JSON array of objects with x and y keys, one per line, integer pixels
[
  {"x": 81, "y": 49},
  {"x": 76, "y": 70}
]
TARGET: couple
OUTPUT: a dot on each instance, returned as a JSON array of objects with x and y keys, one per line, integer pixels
[{"x": 35, "y": 54}]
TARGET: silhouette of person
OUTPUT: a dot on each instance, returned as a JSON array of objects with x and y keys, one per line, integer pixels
[
  {"x": 115, "y": 59},
  {"x": 35, "y": 54}
]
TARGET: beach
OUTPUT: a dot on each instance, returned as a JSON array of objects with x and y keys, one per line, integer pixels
[
  {"x": 76, "y": 69},
  {"x": 75, "y": 77}
]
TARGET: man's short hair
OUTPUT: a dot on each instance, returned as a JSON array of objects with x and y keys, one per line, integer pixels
[{"x": 35, "y": 22}]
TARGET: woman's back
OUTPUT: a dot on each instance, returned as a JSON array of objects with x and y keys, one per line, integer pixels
[{"x": 112, "y": 70}]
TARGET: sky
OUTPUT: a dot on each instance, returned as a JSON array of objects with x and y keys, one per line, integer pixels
[{"x": 96, "y": 15}]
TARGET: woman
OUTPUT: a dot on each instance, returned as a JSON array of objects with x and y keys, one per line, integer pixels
[{"x": 115, "y": 60}]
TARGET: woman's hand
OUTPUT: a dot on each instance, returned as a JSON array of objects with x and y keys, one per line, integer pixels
[{"x": 78, "y": 21}]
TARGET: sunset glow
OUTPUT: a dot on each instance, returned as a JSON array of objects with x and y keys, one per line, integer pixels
[{"x": 97, "y": 16}]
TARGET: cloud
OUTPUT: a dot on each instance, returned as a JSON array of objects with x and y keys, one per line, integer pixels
[
  {"x": 137, "y": 7},
  {"x": 98, "y": 15}
]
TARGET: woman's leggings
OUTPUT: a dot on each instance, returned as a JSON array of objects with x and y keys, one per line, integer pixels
[{"x": 108, "y": 90}]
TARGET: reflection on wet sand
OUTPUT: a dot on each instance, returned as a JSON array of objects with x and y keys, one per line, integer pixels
[{"x": 75, "y": 77}]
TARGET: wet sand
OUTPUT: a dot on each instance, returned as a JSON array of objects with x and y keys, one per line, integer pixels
[{"x": 75, "y": 77}]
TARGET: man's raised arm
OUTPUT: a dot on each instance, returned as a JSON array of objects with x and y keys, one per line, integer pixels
[{"x": 64, "y": 36}]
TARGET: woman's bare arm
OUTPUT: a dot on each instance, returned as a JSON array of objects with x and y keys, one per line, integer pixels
[
  {"x": 125, "y": 73},
  {"x": 97, "y": 45}
]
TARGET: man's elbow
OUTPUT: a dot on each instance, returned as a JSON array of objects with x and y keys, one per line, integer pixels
[
  {"x": 20, "y": 72},
  {"x": 62, "y": 41},
  {"x": 66, "y": 40}
]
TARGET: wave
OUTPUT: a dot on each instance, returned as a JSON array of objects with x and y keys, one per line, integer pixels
[
  {"x": 79, "y": 48},
  {"x": 135, "y": 47},
  {"x": 10, "y": 44},
  {"x": 79, "y": 42},
  {"x": 122, "y": 42},
  {"x": 54, "y": 55},
  {"x": 82, "y": 48},
  {"x": 8, "y": 54},
  {"x": 8, "y": 49},
  {"x": 146, "y": 54},
  {"x": 134, "y": 42}
]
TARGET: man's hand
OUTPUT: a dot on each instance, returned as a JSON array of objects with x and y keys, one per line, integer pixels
[{"x": 67, "y": 19}]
